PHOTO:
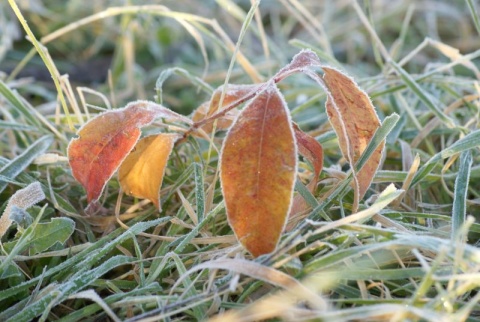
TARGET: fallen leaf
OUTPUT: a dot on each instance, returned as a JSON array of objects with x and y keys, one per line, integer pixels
[
  {"x": 141, "y": 174},
  {"x": 355, "y": 121},
  {"x": 106, "y": 140},
  {"x": 257, "y": 171}
]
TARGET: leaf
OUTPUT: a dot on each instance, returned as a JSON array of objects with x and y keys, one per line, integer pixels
[
  {"x": 233, "y": 93},
  {"x": 355, "y": 121},
  {"x": 106, "y": 140},
  {"x": 141, "y": 174},
  {"x": 223, "y": 122},
  {"x": 23, "y": 199},
  {"x": 45, "y": 235},
  {"x": 312, "y": 150},
  {"x": 300, "y": 63},
  {"x": 103, "y": 144},
  {"x": 257, "y": 171}
]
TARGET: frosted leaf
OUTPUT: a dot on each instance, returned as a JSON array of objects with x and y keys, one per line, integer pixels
[{"x": 24, "y": 199}]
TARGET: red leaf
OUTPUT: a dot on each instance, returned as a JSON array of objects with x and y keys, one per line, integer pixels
[{"x": 258, "y": 166}]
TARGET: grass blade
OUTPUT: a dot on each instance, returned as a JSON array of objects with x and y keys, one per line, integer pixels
[
  {"x": 470, "y": 141},
  {"x": 461, "y": 190},
  {"x": 424, "y": 97},
  {"x": 199, "y": 192},
  {"x": 18, "y": 105},
  {"x": 17, "y": 165}
]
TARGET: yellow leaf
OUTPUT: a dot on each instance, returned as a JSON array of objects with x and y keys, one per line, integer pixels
[{"x": 141, "y": 174}]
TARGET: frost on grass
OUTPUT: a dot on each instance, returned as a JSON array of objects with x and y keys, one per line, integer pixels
[{"x": 23, "y": 199}]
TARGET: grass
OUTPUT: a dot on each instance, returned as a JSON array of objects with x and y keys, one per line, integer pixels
[{"x": 405, "y": 256}]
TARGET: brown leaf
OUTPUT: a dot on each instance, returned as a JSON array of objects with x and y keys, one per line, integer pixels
[
  {"x": 141, "y": 174},
  {"x": 355, "y": 121},
  {"x": 258, "y": 166}
]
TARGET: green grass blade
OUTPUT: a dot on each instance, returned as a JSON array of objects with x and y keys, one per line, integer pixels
[
  {"x": 380, "y": 135},
  {"x": 199, "y": 191},
  {"x": 305, "y": 193},
  {"x": 77, "y": 283},
  {"x": 24, "y": 179},
  {"x": 18, "y": 105},
  {"x": 16, "y": 126},
  {"x": 21, "y": 162},
  {"x": 184, "y": 240},
  {"x": 470, "y": 141},
  {"x": 459, "y": 214},
  {"x": 422, "y": 95},
  {"x": 473, "y": 12},
  {"x": 164, "y": 75},
  {"x": 87, "y": 257}
]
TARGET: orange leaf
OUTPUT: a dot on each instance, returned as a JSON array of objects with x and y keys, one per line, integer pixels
[
  {"x": 257, "y": 171},
  {"x": 312, "y": 150},
  {"x": 355, "y": 121},
  {"x": 106, "y": 140},
  {"x": 141, "y": 174}
]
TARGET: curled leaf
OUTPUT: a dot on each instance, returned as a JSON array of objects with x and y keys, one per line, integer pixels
[
  {"x": 23, "y": 199},
  {"x": 257, "y": 171},
  {"x": 355, "y": 121},
  {"x": 141, "y": 174}
]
